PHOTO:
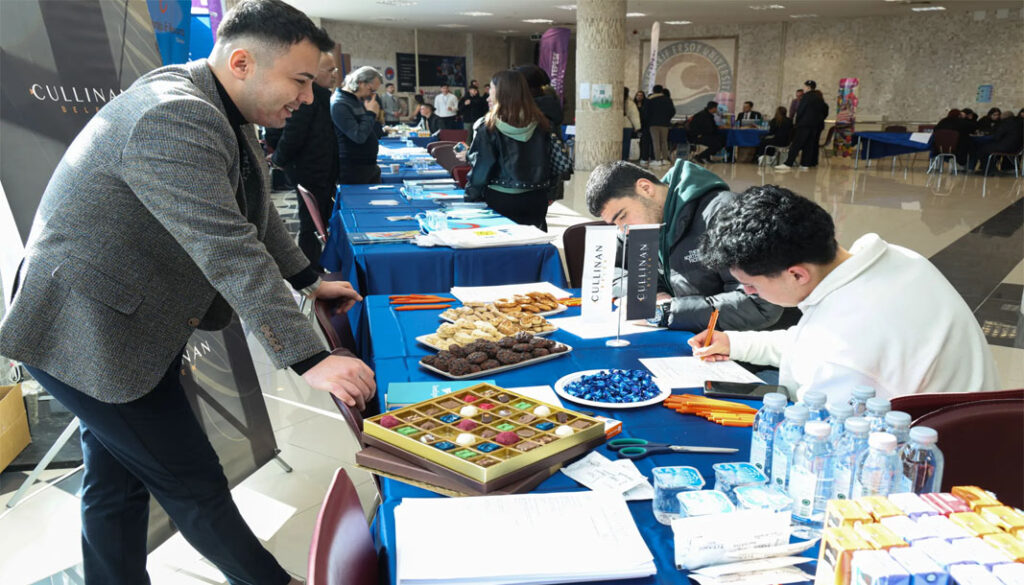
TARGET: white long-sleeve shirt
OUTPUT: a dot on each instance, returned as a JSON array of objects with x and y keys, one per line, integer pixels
[
  {"x": 446, "y": 106},
  {"x": 885, "y": 318}
]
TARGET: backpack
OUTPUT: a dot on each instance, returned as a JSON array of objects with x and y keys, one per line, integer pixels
[{"x": 560, "y": 159}]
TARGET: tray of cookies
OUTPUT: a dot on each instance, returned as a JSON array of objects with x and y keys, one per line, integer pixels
[
  {"x": 521, "y": 321},
  {"x": 484, "y": 358},
  {"x": 484, "y": 433},
  {"x": 537, "y": 303},
  {"x": 465, "y": 331}
]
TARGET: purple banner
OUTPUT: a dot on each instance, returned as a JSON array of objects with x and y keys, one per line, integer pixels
[{"x": 554, "y": 54}]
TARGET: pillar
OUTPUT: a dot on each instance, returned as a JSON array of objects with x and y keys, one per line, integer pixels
[{"x": 600, "y": 50}]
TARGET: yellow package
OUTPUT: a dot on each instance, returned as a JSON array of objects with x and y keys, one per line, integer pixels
[
  {"x": 1006, "y": 544},
  {"x": 973, "y": 523},
  {"x": 975, "y": 496},
  {"x": 879, "y": 507},
  {"x": 879, "y": 536},
  {"x": 1004, "y": 517},
  {"x": 837, "y": 548},
  {"x": 845, "y": 513}
]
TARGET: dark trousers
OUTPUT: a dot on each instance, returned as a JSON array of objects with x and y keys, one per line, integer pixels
[
  {"x": 366, "y": 174},
  {"x": 805, "y": 143},
  {"x": 715, "y": 142},
  {"x": 154, "y": 445},
  {"x": 530, "y": 208},
  {"x": 450, "y": 123},
  {"x": 646, "y": 144},
  {"x": 627, "y": 137},
  {"x": 308, "y": 242}
]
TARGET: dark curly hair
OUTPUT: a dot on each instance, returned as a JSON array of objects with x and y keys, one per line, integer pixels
[
  {"x": 766, "y": 230},
  {"x": 273, "y": 22}
]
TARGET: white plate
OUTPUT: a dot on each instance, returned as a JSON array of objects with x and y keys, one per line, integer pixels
[
  {"x": 423, "y": 339},
  {"x": 559, "y": 309},
  {"x": 569, "y": 378},
  {"x": 499, "y": 369}
]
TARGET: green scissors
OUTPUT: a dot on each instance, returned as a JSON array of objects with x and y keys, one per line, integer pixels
[{"x": 640, "y": 448}]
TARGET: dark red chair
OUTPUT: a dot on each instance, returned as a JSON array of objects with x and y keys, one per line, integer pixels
[
  {"x": 445, "y": 157},
  {"x": 925, "y": 127},
  {"x": 342, "y": 551},
  {"x": 314, "y": 212},
  {"x": 461, "y": 174},
  {"x": 895, "y": 128},
  {"x": 574, "y": 240},
  {"x": 438, "y": 144},
  {"x": 983, "y": 445},
  {"x": 453, "y": 135},
  {"x": 945, "y": 142},
  {"x": 918, "y": 405}
]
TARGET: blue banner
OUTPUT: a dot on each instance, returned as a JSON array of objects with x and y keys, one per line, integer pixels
[{"x": 172, "y": 21}]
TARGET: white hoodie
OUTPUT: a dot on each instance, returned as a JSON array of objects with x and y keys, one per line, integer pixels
[{"x": 884, "y": 318}]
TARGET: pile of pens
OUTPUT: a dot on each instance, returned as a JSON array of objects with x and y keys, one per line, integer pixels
[
  {"x": 413, "y": 302},
  {"x": 723, "y": 412}
]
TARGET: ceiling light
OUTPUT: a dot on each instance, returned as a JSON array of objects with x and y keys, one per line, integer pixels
[
  {"x": 927, "y": 8},
  {"x": 566, "y": 7},
  {"x": 474, "y": 13},
  {"x": 398, "y": 2},
  {"x": 803, "y": 16},
  {"x": 767, "y": 7},
  {"x": 452, "y": 25},
  {"x": 678, "y": 22},
  {"x": 539, "y": 20},
  {"x": 506, "y": 32},
  {"x": 635, "y": 14}
]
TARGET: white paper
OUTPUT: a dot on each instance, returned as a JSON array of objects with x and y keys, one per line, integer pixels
[
  {"x": 542, "y": 393},
  {"x": 580, "y": 328},
  {"x": 705, "y": 540},
  {"x": 490, "y": 237},
  {"x": 487, "y": 294},
  {"x": 774, "y": 551},
  {"x": 922, "y": 137},
  {"x": 643, "y": 491},
  {"x": 584, "y": 90},
  {"x": 385, "y": 202},
  {"x": 601, "y": 245},
  {"x": 597, "y": 472},
  {"x": 692, "y": 372},
  {"x": 769, "y": 577},
  {"x": 751, "y": 566},
  {"x": 559, "y": 537}
]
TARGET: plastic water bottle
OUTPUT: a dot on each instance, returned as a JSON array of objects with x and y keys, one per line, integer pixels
[
  {"x": 897, "y": 423},
  {"x": 859, "y": 399},
  {"x": 810, "y": 479},
  {"x": 922, "y": 462},
  {"x": 765, "y": 422},
  {"x": 848, "y": 450},
  {"x": 815, "y": 401},
  {"x": 786, "y": 436},
  {"x": 837, "y": 414},
  {"x": 875, "y": 413},
  {"x": 877, "y": 468}
]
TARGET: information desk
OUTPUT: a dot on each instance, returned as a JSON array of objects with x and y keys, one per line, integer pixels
[{"x": 396, "y": 354}]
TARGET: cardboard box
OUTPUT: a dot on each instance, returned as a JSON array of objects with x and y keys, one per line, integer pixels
[{"x": 13, "y": 424}]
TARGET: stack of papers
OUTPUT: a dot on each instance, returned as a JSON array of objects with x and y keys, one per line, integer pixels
[
  {"x": 537, "y": 538},
  {"x": 506, "y": 235},
  {"x": 489, "y": 294},
  {"x": 692, "y": 372}
]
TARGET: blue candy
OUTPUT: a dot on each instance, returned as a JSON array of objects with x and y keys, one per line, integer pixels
[
  {"x": 487, "y": 447},
  {"x": 449, "y": 418},
  {"x": 615, "y": 386},
  {"x": 444, "y": 445},
  {"x": 544, "y": 425}
]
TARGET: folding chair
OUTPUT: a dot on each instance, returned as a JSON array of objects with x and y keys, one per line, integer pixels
[{"x": 342, "y": 551}]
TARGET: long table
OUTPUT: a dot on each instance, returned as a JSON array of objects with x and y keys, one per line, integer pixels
[
  {"x": 395, "y": 357},
  {"x": 882, "y": 144}
]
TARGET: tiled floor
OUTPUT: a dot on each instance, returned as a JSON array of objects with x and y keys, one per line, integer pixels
[{"x": 39, "y": 537}]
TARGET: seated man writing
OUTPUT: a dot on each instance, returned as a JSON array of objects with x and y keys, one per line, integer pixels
[
  {"x": 685, "y": 200},
  {"x": 877, "y": 315}
]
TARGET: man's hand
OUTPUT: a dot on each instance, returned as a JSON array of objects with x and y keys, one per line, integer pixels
[
  {"x": 348, "y": 378},
  {"x": 718, "y": 351},
  {"x": 337, "y": 289},
  {"x": 371, "y": 105},
  {"x": 664, "y": 296}
]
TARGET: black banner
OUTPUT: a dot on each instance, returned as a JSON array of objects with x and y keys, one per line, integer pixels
[
  {"x": 642, "y": 260},
  {"x": 434, "y": 70}
]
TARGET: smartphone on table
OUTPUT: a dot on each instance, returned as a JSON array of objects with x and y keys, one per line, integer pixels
[{"x": 743, "y": 391}]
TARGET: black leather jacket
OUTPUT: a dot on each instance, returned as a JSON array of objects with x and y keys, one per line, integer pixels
[{"x": 500, "y": 160}]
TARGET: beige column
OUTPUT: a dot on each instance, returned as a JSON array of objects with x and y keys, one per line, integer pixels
[{"x": 600, "y": 50}]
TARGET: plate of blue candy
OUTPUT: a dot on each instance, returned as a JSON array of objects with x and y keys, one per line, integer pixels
[{"x": 612, "y": 388}]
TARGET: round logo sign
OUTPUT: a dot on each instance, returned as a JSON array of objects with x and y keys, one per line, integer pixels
[{"x": 389, "y": 73}]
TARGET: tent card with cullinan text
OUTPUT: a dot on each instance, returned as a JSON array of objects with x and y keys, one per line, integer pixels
[
  {"x": 642, "y": 264},
  {"x": 598, "y": 273}
]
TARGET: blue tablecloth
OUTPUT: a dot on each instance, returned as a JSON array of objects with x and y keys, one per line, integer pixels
[
  {"x": 883, "y": 144},
  {"x": 421, "y": 141},
  {"x": 396, "y": 354},
  {"x": 743, "y": 137},
  {"x": 406, "y": 173}
]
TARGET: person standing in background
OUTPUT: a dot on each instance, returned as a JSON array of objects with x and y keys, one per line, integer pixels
[
  {"x": 391, "y": 106},
  {"x": 446, "y": 106},
  {"x": 658, "y": 113},
  {"x": 810, "y": 121},
  {"x": 354, "y": 112},
  {"x": 630, "y": 122},
  {"x": 472, "y": 107},
  {"x": 550, "y": 105},
  {"x": 795, "y": 103}
]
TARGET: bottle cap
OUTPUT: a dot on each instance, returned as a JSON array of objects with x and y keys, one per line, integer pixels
[
  {"x": 882, "y": 441},
  {"x": 815, "y": 399},
  {"x": 818, "y": 429},
  {"x": 797, "y": 413},
  {"x": 775, "y": 400},
  {"x": 924, "y": 435},
  {"x": 840, "y": 410},
  {"x": 897, "y": 418},
  {"x": 878, "y": 404},
  {"x": 863, "y": 392},
  {"x": 857, "y": 424}
]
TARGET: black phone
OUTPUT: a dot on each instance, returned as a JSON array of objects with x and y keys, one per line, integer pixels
[{"x": 740, "y": 390}]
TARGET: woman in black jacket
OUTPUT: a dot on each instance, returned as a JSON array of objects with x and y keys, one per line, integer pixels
[
  {"x": 780, "y": 131},
  {"x": 962, "y": 126},
  {"x": 511, "y": 170},
  {"x": 987, "y": 125}
]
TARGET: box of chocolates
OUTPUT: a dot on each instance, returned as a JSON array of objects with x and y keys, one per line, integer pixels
[{"x": 485, "y": 435}]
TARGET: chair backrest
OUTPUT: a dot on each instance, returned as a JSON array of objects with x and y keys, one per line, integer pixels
[
  {"x": 945, "y": 140},
  {"x": 438, "y": 144},
  {"x": 925, "y": 127},
  {"x": 314, "y": 212},
  {"x": 342, "y": 551},
  {"x": 334, "y": 324},
  {"x": 895, "y": 129},
  {"x": 445, "y": 156},
  {"x": 918, "y": 405},
  {"x": 453, "y": 135},
  {"x": 461, "y": 175},
  {"x": 574, "y": 240},
  {"x": 983, "y": 445},
  {"x": 828, "y": 137}
]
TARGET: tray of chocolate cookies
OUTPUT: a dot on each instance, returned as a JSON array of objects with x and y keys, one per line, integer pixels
[{"x": 485, "y": 358}]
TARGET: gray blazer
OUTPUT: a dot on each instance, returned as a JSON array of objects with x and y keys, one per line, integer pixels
[{"x": 144, "y": 234}]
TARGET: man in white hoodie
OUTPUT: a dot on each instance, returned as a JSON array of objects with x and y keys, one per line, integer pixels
[{"x": 875, "y": 315}]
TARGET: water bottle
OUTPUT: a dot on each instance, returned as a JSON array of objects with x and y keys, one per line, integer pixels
[
  {"x": 785, "y": 438},
  {"x": 837, "y": 414},
  {"x": 875, "y": 409},
  {"x": 815, "y": 401},
  {"x": 877, "y": 468},
  {"x": 765, "y": 422},
  {"x": 848, "y": 450},
  {"x": 897, "y": 423},
  {"x": 922, "y": 462},
  {"x": 810, "y": 478},
  {"x": 859, "y": 399}
]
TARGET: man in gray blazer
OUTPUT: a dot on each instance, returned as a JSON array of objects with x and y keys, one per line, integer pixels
[{"x": 157, "y": 222}]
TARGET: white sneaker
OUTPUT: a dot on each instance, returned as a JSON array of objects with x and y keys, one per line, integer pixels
[
  {"x": 783, "y": 167},
  {"x": 645, "y": 164},
  {"x": 666, "y": 162},
  {"x": 803, "y": 168}
]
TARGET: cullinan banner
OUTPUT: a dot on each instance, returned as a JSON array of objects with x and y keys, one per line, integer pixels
[
  {"x": 846, "y": 115},
  {"x": 695, "y": 71},
  {"x": 642, "y": 264},
  {"x": 554, "y": 55},
  {"x": 600, "y": 247},
  {"x": 61, "y": 62}
]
